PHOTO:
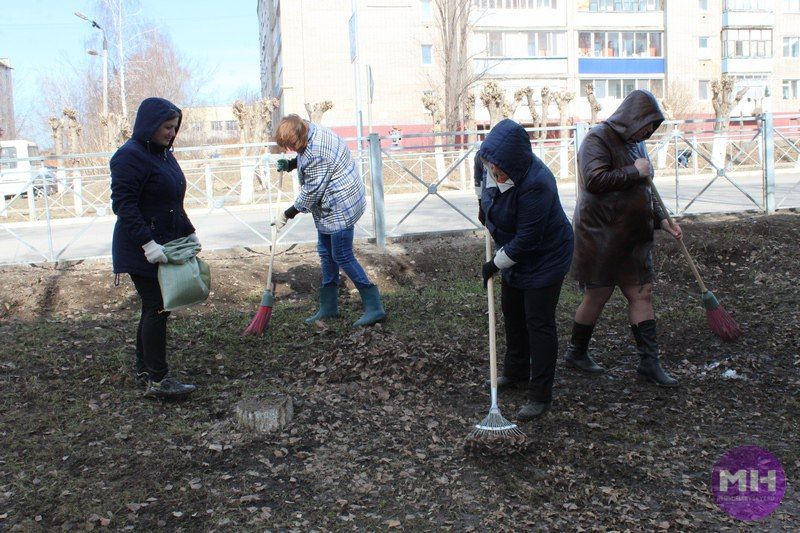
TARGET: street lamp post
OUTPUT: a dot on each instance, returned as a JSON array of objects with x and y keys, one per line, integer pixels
[{"x": 104, "y": 57}]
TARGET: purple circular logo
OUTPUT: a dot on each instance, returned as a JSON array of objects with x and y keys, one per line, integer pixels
[{"x": 748, "y": 483}]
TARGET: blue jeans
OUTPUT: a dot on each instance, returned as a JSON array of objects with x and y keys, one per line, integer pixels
[{"x": 335, "y": 252}]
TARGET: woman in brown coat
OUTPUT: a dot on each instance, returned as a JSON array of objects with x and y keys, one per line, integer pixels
[{"x": 614, "y": 222}]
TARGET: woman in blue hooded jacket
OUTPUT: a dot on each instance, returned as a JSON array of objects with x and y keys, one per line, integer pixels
[
  {"x": 520, "y": 207},
  {"x": 147, "y": 191}
]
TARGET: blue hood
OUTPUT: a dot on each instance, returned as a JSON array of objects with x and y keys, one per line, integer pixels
[
  {"x": 509, "y": 147},
  {"x": 151, "y": 114}
]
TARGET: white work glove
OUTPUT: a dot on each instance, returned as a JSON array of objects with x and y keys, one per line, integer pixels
[
  {"x": 193, "y": 238},
  {"x": 154, "y": 253},
  {"x": 280, "y": 221}
]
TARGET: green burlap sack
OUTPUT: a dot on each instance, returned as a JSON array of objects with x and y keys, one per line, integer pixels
[{"x": 185, "y": 280}]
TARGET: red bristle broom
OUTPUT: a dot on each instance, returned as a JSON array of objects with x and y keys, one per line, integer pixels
[
  {"x": 719, "y": 321},
  {"x": 260, "y": 322}
]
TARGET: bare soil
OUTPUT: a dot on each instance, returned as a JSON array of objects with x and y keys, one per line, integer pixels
[{"x": 381, "y": 414}]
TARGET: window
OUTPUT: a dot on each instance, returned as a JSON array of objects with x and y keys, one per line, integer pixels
[
  {"x": 546, "y": 44},
  {"x": 8, "y": 152},
  {"x": 747, "y": 42},
  {"x": 748, "y": 5},
  {"x": 595, "y": 6},
  {"x": 791, "y": 6},
  {"x": 791, "y": 47},
  {"x": 427, "y": 54},
  {"x": 217, "y": 125},
  {"x": 515, "y": 4},
  {"x": 702, "y": 42},
  {"x": 231, "y": 125},
  {"x": 620, "y": 88},
  {"x": 426, "y": 9},
  {"x": 495, "y": 44},
  {"x": 702, "y": 89},
  {"x": 620, "y": 44},
  {"x": 703, "y": 5},
  {"x": 791, "y": 89}
]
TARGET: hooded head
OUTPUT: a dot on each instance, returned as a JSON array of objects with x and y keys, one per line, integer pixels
[
  {"x": 509, "y": 147},
  {"x": 151, "y": 114},
  {"x": 638, "y": 110}
]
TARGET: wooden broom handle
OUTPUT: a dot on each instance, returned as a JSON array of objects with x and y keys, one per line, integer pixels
[
  {"x": 686, "y": 253},
  {"x": 274, "y": 236},
  {"x": 492, "y": 328}
]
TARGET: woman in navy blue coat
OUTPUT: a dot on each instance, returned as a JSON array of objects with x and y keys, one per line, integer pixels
[
  {"x": 147, "y": 190},
  {"x": 521, "y": 209}
]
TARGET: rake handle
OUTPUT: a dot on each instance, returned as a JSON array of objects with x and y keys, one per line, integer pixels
[
  {"x": 492, "y": 321},
  {"x": 274, "y": 232},
  {"x": 686, "y": 254}
]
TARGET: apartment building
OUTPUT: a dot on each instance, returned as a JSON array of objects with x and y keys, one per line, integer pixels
[
  {"x": 665, "y": 46},
  {"x": 7, "y": 125}
]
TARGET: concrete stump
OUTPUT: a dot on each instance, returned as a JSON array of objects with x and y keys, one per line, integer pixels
[{"x": 265, "y": 415}]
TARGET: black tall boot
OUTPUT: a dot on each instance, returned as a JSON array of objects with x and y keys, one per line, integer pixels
[
  {"x": 577, "y": 353},
  {"x": 647, "y": 345}
]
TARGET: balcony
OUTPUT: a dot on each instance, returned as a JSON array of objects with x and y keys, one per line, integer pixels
[
  {"x": 749, "y": 19},
  {"x": 746, "y": 65},
  {"x": 504, "y": 67},
  {"x": 620, "y": 65}
]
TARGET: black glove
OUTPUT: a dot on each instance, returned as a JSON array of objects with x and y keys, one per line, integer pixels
[
  {"x": 291, "y": 212},
  {"x": 481, "y": 214},
  {"x": 489, "y": 269}
]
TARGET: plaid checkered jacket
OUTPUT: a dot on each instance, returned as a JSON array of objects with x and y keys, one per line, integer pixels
[{"x": 331, "y": 189}]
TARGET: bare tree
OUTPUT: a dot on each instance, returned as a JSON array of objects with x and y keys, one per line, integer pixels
[
  {"x": 434, "y": 107},
  {"x": 493, "y": 98},
  {"x": 454, "y": 28},
  {"x": 594, "y": 105},
  {"x": 255, "y": 119},
  {"x": 320, "y": 108},
  {"x": 547, "y": 97},
  {"x": 563, "y": 98},
  {"x": 723, "y": 100},
  {"x": 679, "y": 102},
  {"x": 527, "y": 93}
]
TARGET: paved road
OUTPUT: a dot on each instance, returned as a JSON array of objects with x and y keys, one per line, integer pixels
[{"x": 240, "y": 226}]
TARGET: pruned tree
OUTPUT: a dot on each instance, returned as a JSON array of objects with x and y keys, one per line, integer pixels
[
  {"x": 527, "y": 93},
  {"x": 73, "y": 128},
  {"x": 320, "y": 108},
  {"x": 56, "y": 130},
  {"x": 679, "y": 102},
  {"x": 594, "y": 105},
  {"x": 547, "y": 97},
  {"x": 434, "y": 106},
  {"x": 723, "y": 100},
  {"x": 563, "y": 98},
  {"x": 493, "y": 97},
  {"x": 469, "y": 115},
  {"x": 255, "y": 119}
]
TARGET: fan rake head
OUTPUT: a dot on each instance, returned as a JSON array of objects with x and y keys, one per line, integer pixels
[{"x": 495, "y": 435}]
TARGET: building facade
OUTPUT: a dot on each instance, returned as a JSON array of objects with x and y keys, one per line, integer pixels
[
  {"x": 674, "y": 48},
  {"x": 7, "y": 124}
]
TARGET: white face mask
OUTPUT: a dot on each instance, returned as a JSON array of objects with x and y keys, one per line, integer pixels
[{"x": 491, "y": 180}]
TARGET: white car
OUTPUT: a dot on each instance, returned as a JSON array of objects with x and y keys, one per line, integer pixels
[{"x": 21, "y": 169}]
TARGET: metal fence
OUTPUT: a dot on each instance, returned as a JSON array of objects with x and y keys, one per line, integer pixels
[{"x": 422, "y": 185}]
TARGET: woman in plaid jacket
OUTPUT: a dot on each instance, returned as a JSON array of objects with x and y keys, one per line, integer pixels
[{"x": 334, "y": 194}]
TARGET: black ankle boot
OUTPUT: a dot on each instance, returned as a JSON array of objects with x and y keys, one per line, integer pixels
[
  {"x": 647, "y": 345},
  {"x": 577, "y": 353}
]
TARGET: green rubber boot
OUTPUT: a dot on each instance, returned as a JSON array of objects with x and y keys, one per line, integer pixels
[
  {"x": 373, "y": 307},
  {"x": 328, "y": 304}
]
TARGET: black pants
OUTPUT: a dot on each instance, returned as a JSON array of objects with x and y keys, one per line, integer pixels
[
  {"x": 531, "y": 337},
  {"x": 151, "y": 335}
]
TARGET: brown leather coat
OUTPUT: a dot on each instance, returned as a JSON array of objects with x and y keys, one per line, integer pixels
[{"x": 615, "y": 214}]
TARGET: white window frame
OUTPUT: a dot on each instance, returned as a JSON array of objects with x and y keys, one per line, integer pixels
[
  {"x": 422, "y": 49},
  {"x": 704, "y": 86}
]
